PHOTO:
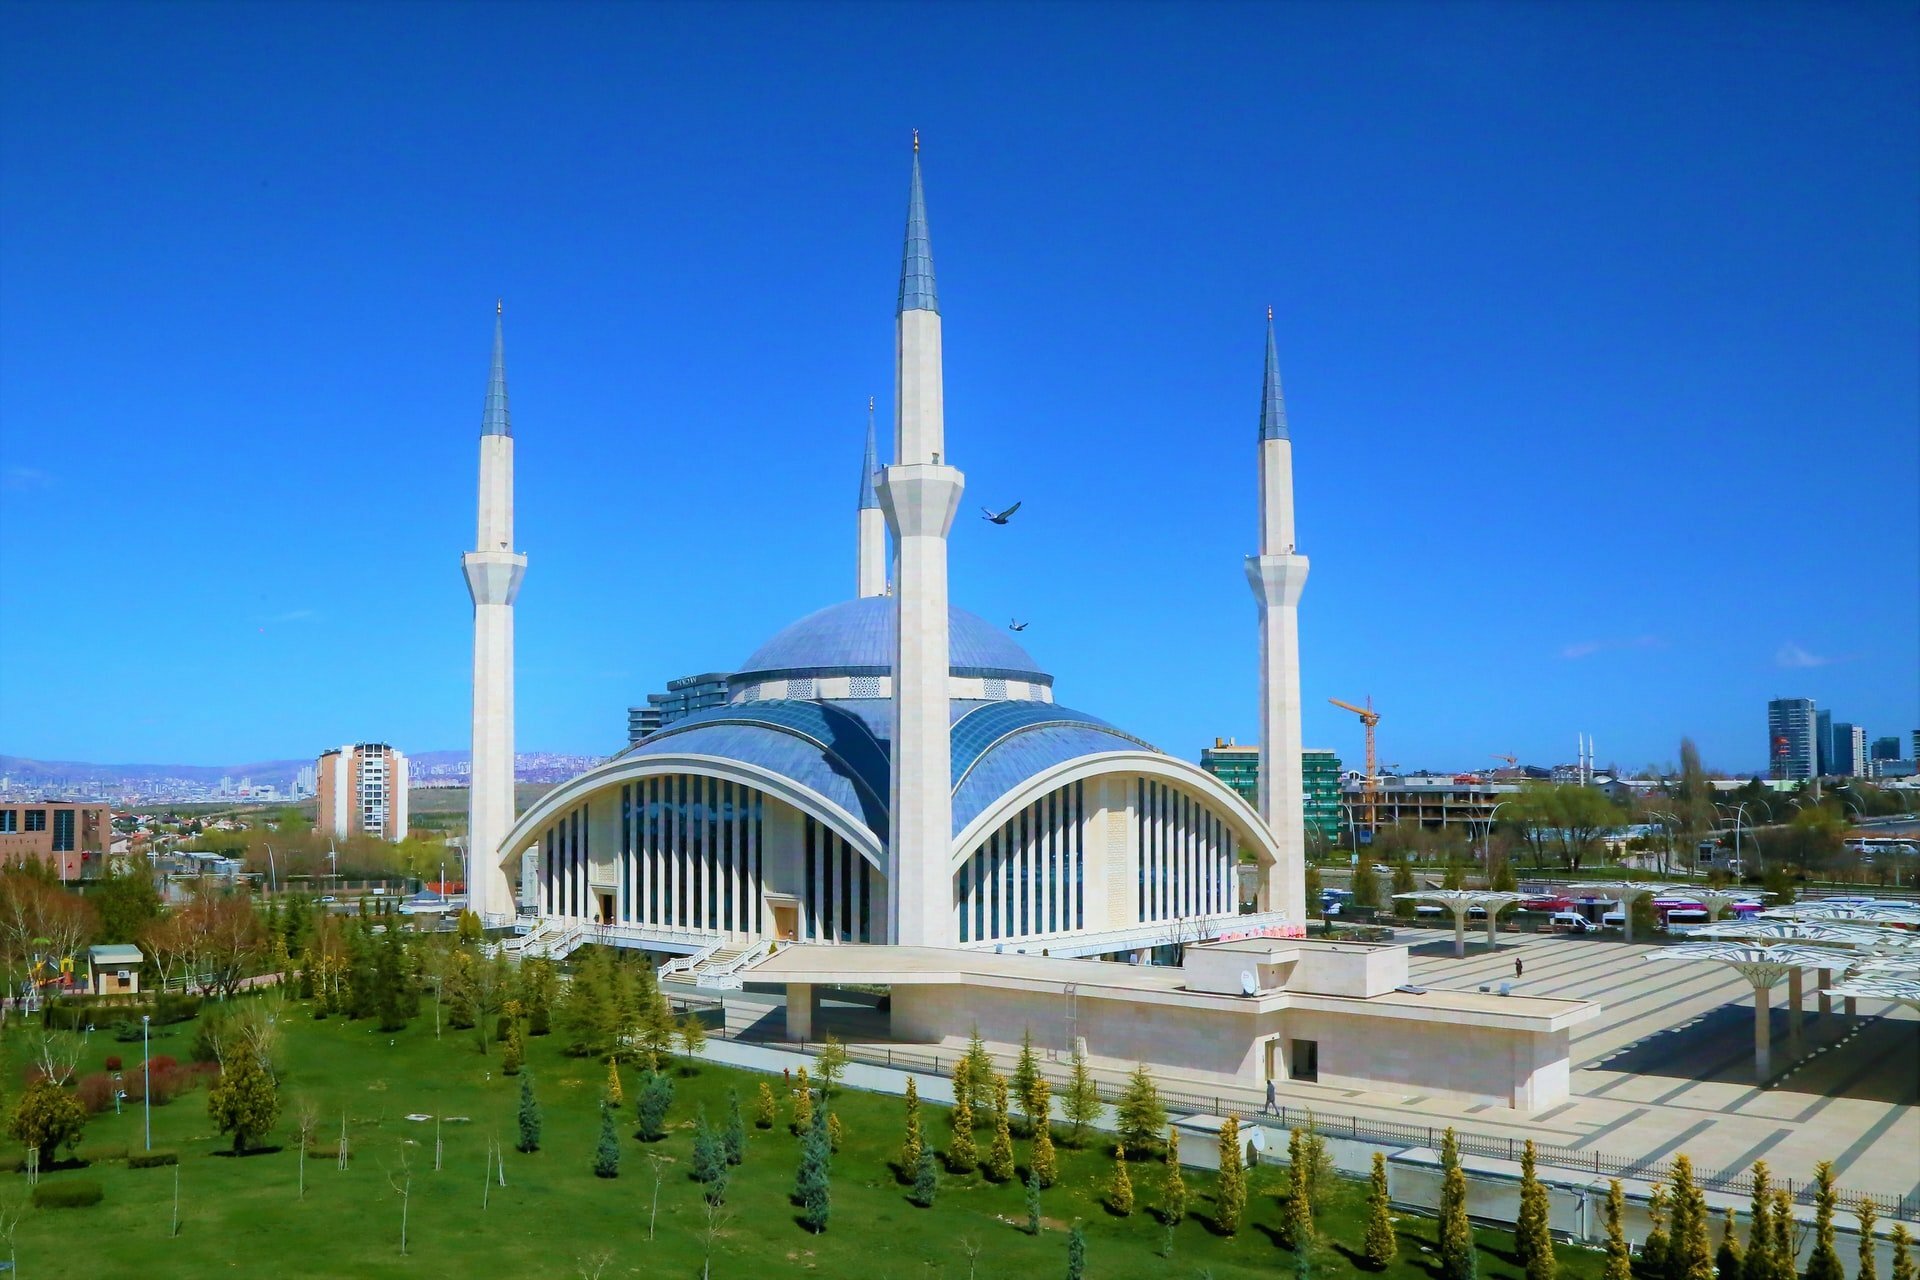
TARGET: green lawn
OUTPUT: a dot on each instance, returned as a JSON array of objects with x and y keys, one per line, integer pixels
[{"x": 242, "y": 1217}]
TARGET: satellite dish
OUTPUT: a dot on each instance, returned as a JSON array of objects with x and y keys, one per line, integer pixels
[
  {"x": 1257, "y": 1139},
  {"x": 1248, "y": 983}
]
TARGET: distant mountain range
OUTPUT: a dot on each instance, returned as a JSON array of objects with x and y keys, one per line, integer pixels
[{"x": 25, "y": 773}]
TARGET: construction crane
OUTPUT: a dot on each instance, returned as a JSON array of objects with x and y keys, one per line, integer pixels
[
  {"x": 1513, "y": 762},
  {"x": 1369, "y": 784}
]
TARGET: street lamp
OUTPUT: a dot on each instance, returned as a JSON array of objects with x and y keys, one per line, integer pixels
[{"x": 146, "y": 1076}]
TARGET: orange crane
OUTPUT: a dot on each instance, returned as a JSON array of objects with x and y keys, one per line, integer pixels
[
  {"x": 1513, "y": 762},
  {"x": 1370, "y": 784}
]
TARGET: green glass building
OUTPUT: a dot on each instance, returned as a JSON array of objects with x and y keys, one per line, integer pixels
[{"x": 1239, "y": 768}]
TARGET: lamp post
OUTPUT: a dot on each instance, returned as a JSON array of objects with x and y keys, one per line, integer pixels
[{"x": 146, "y": 1076}]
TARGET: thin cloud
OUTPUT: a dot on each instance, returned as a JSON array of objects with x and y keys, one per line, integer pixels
[
  {"x": 1795, "y": 658},
  {"x": 1587, "y": 648},
  {"x": 24, "y": 479}
]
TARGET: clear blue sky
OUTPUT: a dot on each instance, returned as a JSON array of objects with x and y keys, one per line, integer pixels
[{"x": 1599, "y": 329}]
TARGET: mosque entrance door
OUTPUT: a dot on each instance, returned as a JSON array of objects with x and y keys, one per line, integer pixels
[
  {"x": 606, "y": 907},
  {"x": 786, "y": 921}
]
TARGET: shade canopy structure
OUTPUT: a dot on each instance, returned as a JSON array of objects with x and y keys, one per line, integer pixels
[
  {"x": 1872, "y": 985},
  {"x": 1763, "y": 967},
  {"x": 1631, "y": 891},
  {"x": 1905, "y": 914},
  {"x": 1462, "y": 901},
  {"x": 1798, "y": 933}
]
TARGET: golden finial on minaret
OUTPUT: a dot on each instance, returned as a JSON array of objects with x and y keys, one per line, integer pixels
[
  {"x": 1269, "y": 313},
  {"x": 916, "y": 142}
]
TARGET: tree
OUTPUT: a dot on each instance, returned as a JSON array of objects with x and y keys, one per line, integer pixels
[
  {"x": 734, "y": 1138},
  {"x": 1690, "y": 1247},
  {"x": 832, "y": 1064},
  {"x": 1120, "y": 1186},
  {"x": 1654, "y": 1249},
  {"x": 537, "y": 983},
  {"x": 1782, "y": 1255},
  {"x": 709, "y": 1152},
  {"x": 652, "y": 1100},
  {"x": 1531, "y": 1239},
  {"x": 812, "y": 1188},
  {"x": 1366, "y": 885},
  {"x": 125, "y": 903},
  {"x": 1758, "y": 1264},
  {"x": 1081, "y": 1104},
  {"x": 1403, "y": 883},
  {"x": 979, "y": 1061},
  {"x": 1141, "y": 1114},
  {"x": 514, "y": 1056},
  {"x": 1619, "y": 1265},
  {"x": 1230, "y": 1189},
  {"x": 1903, "y": 1268},
  {"x": 1531, "y": 815},
  {"x": 1173, "y": 1185},
  {"x": 1076, "y": 1253},
  {"x": 606, "y": 1155},
  {"x": 1000, "y": 1153},
  {"x": 1314, "y": 885},
  {"x": 1298, "y": 1227},
  {"x": 1026, "y": 1075},
  {"x": 1382, "y": 1246},
  {"x": 46, "y": 1118},
  {"x": 1869, "y": 1268},
  {"x": 802, "y": 1103},
  {"x": 912, "y": 1144},
  {"x": 1033, "y": 1204},
  {"x": 529, "y": 1116},
  {"x": 961, "y": 1155},
  {"x": 1457, "y": 1260},
  {"x": 1583, "y": 815},
  {"x": 245, "y": 1102},
  {"x": 763, "y": 1110},
  {"x": 1824, "y": 1263},
  {"x": 1042, "y": 1160},
  {"x": 926, "y": 1179},
  {"x": 833, "y": 1131},
  {"x": 692, "y": 1035},
  {"x": 1726, "y": 1260}
]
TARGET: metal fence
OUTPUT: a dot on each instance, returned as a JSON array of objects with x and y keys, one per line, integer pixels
[{"x": 1387, "y": 1133}]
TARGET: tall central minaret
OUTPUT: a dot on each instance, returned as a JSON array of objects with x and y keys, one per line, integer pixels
[
  {"x": 873, "y": 525},
  {"x": 1277, "y": 575},
  {"x": 493, "y": 571},
  {"x": 920, "y": 494}
]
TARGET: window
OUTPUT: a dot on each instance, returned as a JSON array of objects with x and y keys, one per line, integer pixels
[
  {"x": 9, "y": 820},
  {"x": 36, "y": 819},
  {"x": 63, "y": 831},
  {"x": 1306, "y": 1060}
]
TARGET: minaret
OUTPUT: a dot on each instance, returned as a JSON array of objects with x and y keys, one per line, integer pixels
[
  {"x": 493, "y": 571},
  {"x": 1277, "y": 576},
  {"x": 873, "y": 525},
  {"x": 920, "y": 494}
]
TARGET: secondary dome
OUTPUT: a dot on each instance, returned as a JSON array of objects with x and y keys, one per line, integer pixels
[{"x": 855, "y": 638}]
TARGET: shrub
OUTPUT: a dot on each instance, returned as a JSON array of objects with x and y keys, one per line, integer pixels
[
  {"x": 113, "y": 1062},
  {"x": 101, "y": 1154},
  {"x": 49, "y": 1118},
  {"x": 95, "y": 1092},
  {"x": 77, "y": 1193},
  {"x": 152, "y": 1159},
  {"x": 13, "y": 1164}
]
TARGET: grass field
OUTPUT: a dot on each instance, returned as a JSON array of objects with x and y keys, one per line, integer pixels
[{"x": 243, "y": 1217}]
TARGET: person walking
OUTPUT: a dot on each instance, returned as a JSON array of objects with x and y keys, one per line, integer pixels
[
  {"x": 1518, "y": 967},
  {"x": 1273, "y": 1105}
]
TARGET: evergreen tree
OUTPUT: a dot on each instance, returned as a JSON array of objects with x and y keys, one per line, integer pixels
[
  {"x": 245, "y": 1101},
  {"x": 1000, "y": 1154},
  {"x": 1403, "y": 883},
  {"x": 653, "y": 1099},
  {"x": 811, "y": 1187},
  {"x": 912, "y": 1144},
  {"x": 1527, "y": 1224},
  {"x": 1903, "y": 1268},
  {"x": 537, "y": 982},
  {"x": 1081, "y": 1104},
  {"x": 734, "y": 1139},
  {"x": 1173, "y": 1187},
  {"x": 961, "y": 1155},
  {"x": 1758, "y": 1264},
  {"x": 1785, "y": 1254},
  {"x": 1026, "y": 1075},
  {"x": 1076, "y": 1254},
  {"x": 515, "y": 1055},
  {"x": 1690, "y": 1246},
  {"x": 1366, "y": 885},
  {"x": 926, "y": 1179},
  {"x": 1230, "y": 1189},
  {"x": 1654, "y": 1249},
  {"x": 1033, "y": 1204},
  {"x": 1824, "y": 1264},
  {"x": 1382, "y": 1245},
  {"x": 763, "y": 1109},
  {"x": 529, "y": 1116},
  {"x": 802, "y": 1101},
  {"x": 1619, "y": 1265},
  {"x": 833, "y": 1129},
  {"x": 1120, "y": 1186},
  {"x": 1869, "y": 1260},
  {"x": 616, "y": 1097},
  {"x": 606, "y": 1156},
  {"x": 979, "y": 1065},
  {"x": 1141, "y": 1115},
  {"x": 1457, "y": 1259},
  {"x": 709, "y": 1151},
  {"x": 1042, "y": 1160},
  {"x": 1727, "y": 1262},
  {"x": 962, "y": 1087}
]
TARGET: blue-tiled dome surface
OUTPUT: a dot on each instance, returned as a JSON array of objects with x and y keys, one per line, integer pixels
[{"x": 855, "y": 637}]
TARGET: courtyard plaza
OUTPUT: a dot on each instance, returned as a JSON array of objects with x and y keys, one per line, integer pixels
[{"x": 1666, "y": 1068}]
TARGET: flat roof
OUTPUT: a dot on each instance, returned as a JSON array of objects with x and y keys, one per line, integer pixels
[
  {"x": 116, "y": 953},
  {"x": 879, "y": 965}
]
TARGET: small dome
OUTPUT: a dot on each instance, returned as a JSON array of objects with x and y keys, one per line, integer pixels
[{"x": 856, "y": 638}]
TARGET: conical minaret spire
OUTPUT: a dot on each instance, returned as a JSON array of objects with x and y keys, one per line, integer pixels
[
  {"x": 1277, "y": 575},
  {"x": 872, "y": 524},
  {"x": 493, "y": 570},
  {"x": 920, "y": 494}
]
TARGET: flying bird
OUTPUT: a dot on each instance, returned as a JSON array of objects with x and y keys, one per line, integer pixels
[
  {"x": 986, "y": 513},
  {"x": 1015, "y": 626}
]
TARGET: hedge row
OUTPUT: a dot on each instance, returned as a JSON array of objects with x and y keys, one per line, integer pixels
[
  {"x": 78, "y": 1193},
  {"x": 75, "y": 1013},
  {"x": 152, "y": 1159}
]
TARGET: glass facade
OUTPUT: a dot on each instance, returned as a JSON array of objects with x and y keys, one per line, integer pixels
[
  {"x": 1028, "y": 877},
  {"x": 691, "y": 854},
  {"x": 1239, "y": 768},
  {"x": 1186, "y": 855}
]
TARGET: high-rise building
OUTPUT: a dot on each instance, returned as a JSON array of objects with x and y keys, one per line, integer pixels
[
  {"x": 1823, "y": 742},
  {"x": 1887, "y": 748},
  {"x": 1849, "y": 750},
  {"x": 683, "y": 697},
  {"x": 1239, "y": 768},
  {"x": 1791, "y": 751},
  {"x": 303, "y": 782},
  {"x": 362, "y": 790}
]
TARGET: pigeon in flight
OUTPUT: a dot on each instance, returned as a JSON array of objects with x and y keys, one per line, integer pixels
[
  {"x": 986, "y": 513},
  {"x": 1015, "y": 626}
]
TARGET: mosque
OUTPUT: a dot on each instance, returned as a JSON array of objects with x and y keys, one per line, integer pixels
[{"x": 894, "y": 795}]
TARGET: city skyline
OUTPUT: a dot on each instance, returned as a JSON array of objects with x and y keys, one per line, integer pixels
[{"x": 1484, "y": 384}]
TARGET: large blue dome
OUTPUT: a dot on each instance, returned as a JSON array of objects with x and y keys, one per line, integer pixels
[{"x": 856, "y": 638}]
